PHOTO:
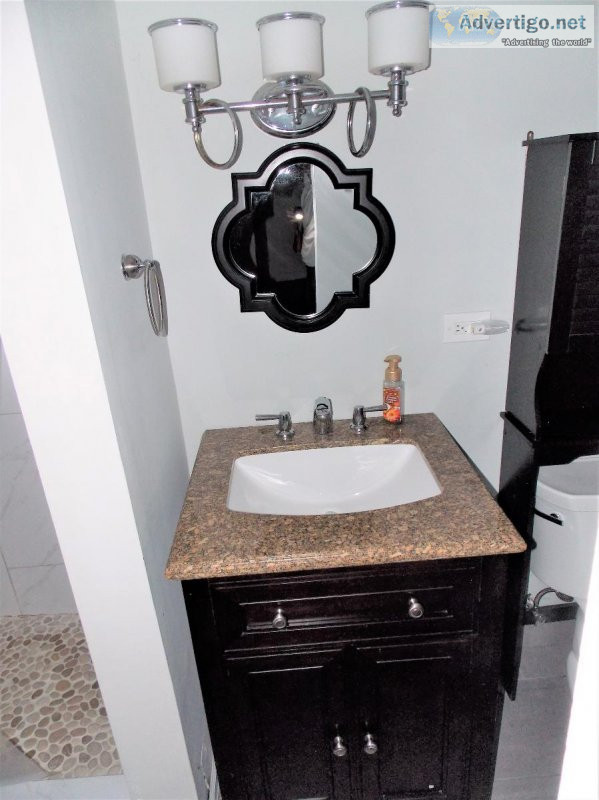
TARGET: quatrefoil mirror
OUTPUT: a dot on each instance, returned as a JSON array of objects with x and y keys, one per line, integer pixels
[{"x": 303, "y": 238}]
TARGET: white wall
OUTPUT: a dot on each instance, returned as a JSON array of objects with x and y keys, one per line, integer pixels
[
  {"x": 450, "y": 172},
  {"x": 33, "y": 578},
  {"x": 99, "y": 402}
]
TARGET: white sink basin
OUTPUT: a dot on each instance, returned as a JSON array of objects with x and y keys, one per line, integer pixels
[{"x": 333, "y": 480}]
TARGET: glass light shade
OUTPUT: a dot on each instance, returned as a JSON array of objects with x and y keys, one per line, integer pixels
[
  {"x": 291, "y": 44},
  {"x": 185, "y": 53},
  {"x": 399, "y": 37}
]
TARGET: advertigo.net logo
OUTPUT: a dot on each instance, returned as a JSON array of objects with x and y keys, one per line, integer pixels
[{"x": 513, "y": 26}]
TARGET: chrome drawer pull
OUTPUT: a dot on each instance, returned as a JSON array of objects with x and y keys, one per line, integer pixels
[
  {"x": 280, "y": 620},
  {"x": 370, "y": 746},
  {"x": 415, "y": 609},
  {"x": 339, "y": 749}
]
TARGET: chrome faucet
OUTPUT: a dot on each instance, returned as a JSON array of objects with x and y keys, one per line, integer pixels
[
  {"x": 322, "y": 420},
  {"x": 285, "y": 428},
  {"x": 358, "y": 423}
]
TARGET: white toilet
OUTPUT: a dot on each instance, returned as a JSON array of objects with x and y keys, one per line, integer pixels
[{"x": 562, "y": 559}]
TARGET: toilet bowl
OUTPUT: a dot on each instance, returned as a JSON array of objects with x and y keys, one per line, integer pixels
[{"x": 568, "y": 498}]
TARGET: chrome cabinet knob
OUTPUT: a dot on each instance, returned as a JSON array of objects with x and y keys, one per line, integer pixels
[
  {"x": 339, "y": 749},
  {"x": 415, "y": 609},
  {"x": 279, "y": 620},
  {"x": 370, "y": 746}
]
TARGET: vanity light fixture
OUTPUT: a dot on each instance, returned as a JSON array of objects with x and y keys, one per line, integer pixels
[{"x": 294, "y": 101}]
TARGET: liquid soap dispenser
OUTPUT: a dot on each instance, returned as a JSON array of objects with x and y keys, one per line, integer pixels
[{"x": 393, "y": 391}]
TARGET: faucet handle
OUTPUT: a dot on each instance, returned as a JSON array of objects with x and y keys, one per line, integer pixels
[
  {"x": 323, "y": 404},
  {"x": 358, "y": 423},
  {"x": 322, "y": 419},
  {"x": 285, "y": 429}
]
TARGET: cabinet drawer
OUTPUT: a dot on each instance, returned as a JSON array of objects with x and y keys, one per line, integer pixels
[{"x": 299, "y": 610}]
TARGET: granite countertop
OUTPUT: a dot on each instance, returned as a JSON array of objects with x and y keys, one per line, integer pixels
[{"x": 211, "y": 541}]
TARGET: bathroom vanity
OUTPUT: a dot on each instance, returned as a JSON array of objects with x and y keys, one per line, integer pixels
[{"x": 350, "y": 655}]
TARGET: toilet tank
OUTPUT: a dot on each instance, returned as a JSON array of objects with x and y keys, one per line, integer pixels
[{"x": 567, "y": 494}]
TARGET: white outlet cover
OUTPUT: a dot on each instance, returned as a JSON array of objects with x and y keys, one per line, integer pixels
[{"x": 453, "y": 322}]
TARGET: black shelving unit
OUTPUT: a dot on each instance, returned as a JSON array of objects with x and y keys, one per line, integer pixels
[{"x": 552, "y": 402}]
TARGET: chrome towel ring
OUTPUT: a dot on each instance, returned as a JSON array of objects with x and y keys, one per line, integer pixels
[
  {"x": 237, "y": 136},
  {"x": 361, "y": 151},
  {"x": 133, "y": 267}
]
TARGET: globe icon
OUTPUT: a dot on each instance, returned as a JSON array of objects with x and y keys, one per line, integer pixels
[{"x": 469, "y": 26}]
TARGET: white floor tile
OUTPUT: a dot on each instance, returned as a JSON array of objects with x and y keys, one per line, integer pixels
[
  {"x": 27, "y": 537},
  {"x": 8, "y": 599},
  {"x": 43, "y": 590},
  {"x": 104, "y": 788}
]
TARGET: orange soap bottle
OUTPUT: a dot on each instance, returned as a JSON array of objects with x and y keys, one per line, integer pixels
[{"x": 393, "y": 391}]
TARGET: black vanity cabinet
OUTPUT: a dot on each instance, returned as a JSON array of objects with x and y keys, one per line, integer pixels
[
  {"x": 414, "y": 707},
  {"x": 289, "y": 708},
  {"x": 366, "y": 683}
]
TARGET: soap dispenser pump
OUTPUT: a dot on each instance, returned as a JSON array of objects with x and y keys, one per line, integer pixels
[{"x": 393, "y": 391}]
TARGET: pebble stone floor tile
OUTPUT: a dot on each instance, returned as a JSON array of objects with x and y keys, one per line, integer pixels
[{"x": 50, "y": 704}]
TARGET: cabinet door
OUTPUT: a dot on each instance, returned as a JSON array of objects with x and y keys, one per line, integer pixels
[
  {"x": 291, "y": 708},
  {"x": 413, "y": 719}
]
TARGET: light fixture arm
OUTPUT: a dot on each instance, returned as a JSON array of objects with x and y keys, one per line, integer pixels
[
  {"x": 397, "y": 91},
  {"x": 192, "y": 102},
  {"x": 197, "y": 110},
  {"x": 295, "y": 106},
  {"x": 254, "y": 105}
]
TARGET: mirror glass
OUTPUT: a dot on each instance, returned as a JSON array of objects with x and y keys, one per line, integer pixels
[{"x": 303, "y": 238}]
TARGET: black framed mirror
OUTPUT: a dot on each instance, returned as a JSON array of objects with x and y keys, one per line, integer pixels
[{"x": 303, "y": 238}]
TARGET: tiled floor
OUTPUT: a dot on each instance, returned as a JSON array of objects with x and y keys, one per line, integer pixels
[
  {"x": 50, "y": 704},
  {"x": 106, "y": 787},
  {"x": 534, "y": 726}
]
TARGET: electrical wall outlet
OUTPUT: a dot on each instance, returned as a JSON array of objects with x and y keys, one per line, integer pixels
[{"x": 458, "y": 327}]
